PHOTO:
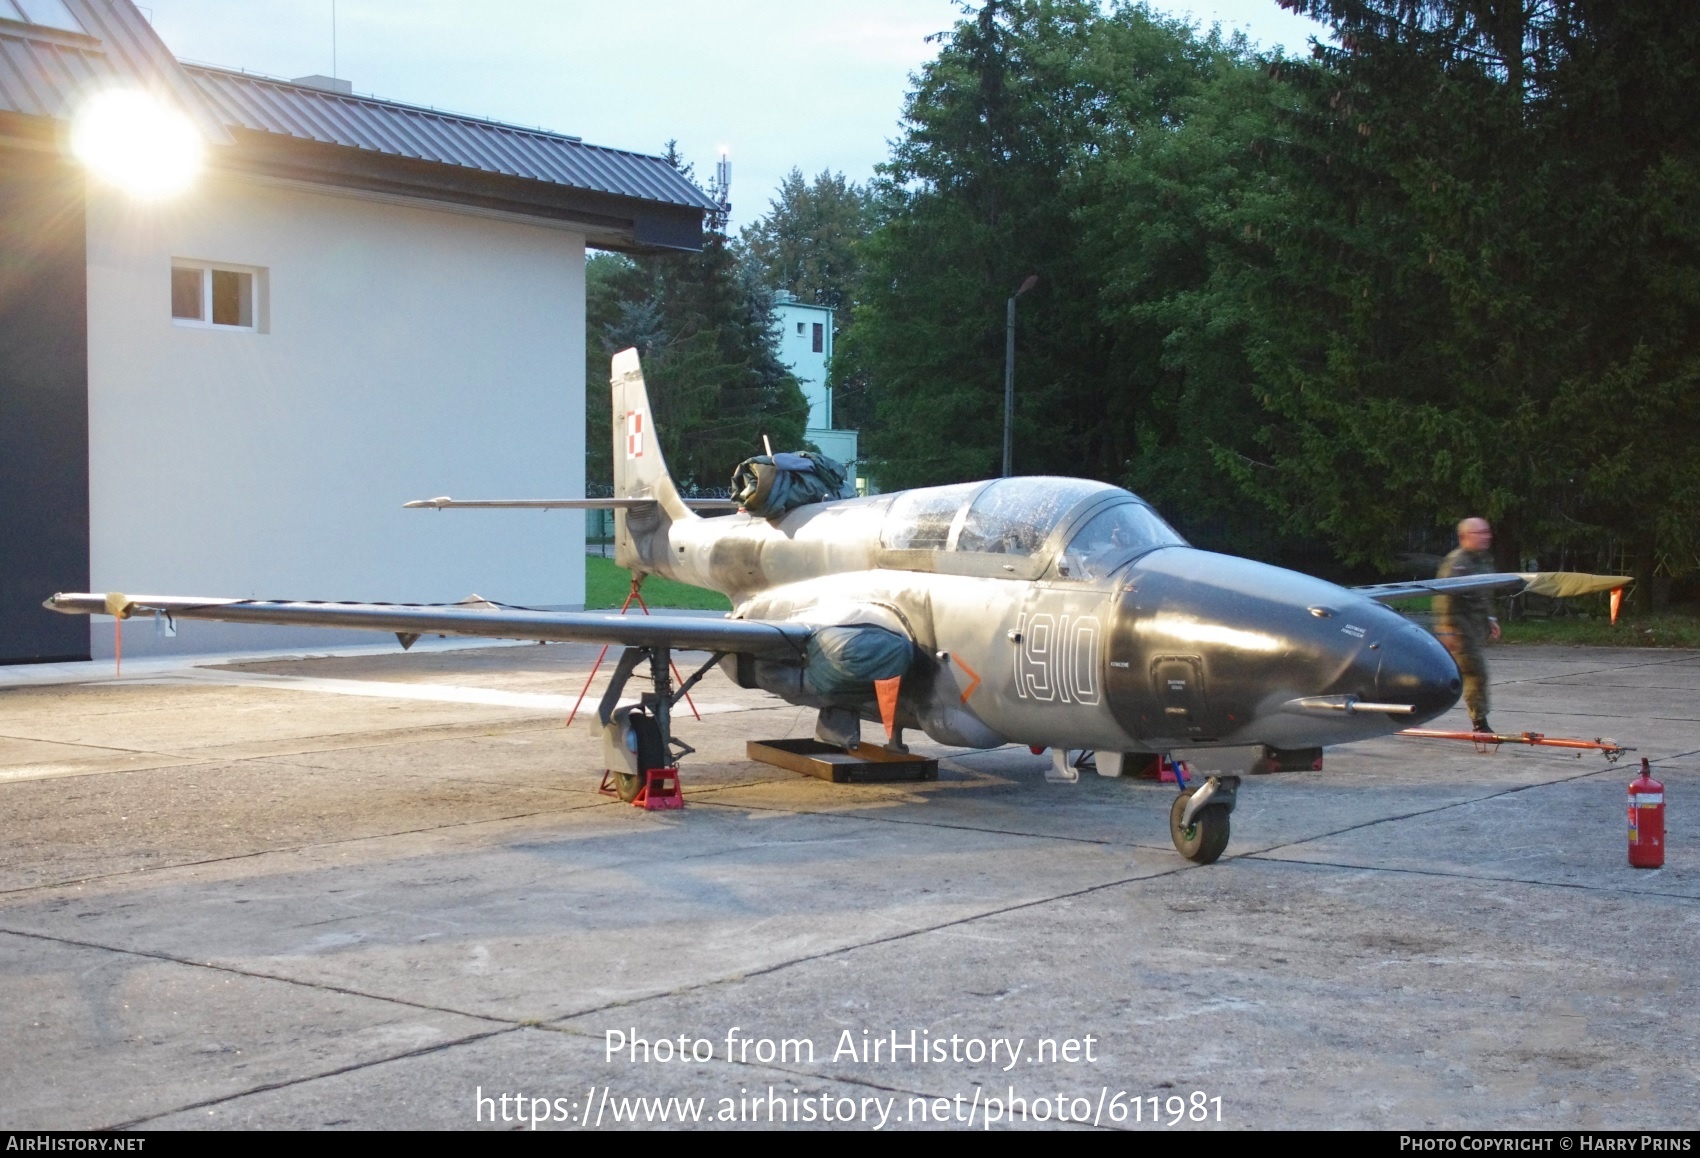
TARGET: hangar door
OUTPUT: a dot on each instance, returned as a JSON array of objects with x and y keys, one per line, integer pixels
[{"x": 44, "y": 444}]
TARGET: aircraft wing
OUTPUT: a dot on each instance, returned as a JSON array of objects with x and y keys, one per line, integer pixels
[
  {"x": 444, "y": 503},
  {"x": 1383, "y": 592},
  {"x": 475, "y": 618}
]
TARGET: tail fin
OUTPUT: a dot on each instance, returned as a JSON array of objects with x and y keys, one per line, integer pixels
[{"x": 640, "y": 472}]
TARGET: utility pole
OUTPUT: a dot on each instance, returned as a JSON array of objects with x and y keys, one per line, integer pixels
[{"x": 1009, "y": 377}]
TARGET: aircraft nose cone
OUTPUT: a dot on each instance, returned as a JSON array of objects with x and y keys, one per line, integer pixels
[{"x": 1416, "y": 669}]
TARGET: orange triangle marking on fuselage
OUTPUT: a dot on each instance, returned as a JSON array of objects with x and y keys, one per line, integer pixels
[{"x": 974, "y": 680}]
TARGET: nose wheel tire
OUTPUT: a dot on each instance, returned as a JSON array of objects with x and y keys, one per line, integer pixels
[{"x": 1206, "y": 837}]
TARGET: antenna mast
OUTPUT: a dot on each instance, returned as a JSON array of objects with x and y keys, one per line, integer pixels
[{"x": 720, "y": 189}]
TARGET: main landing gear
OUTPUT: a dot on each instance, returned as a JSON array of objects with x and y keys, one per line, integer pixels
[{"x": 637, "y": 740}]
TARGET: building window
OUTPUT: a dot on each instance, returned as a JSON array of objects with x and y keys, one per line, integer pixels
[
  {"x": 799, "y": 327},
  {"x": 186, "y": 294},
  {"x": 214, "y": 296},
  {"x": 820, "y": 338}
]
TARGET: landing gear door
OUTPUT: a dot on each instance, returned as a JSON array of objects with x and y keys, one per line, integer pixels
[{"x": 1178, "y": 681}]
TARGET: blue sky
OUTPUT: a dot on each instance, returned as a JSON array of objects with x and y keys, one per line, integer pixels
[{"x": 777, "y": 82}]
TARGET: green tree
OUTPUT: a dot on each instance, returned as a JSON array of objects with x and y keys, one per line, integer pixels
[
  {"x": 703, "y": 324},
  {"x": 1449, "y": 265},
  {"x": 1171, "y": 191},
  {"x": 808, "y": 241},
  {"x": 1484, "y": 270},
  {"x": 1029, "y": 146},
  {"x": 978, "y": 194}
]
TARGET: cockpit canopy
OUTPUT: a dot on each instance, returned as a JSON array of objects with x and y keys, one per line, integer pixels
[
  {"x": 1018, "y": 517},
  {"x": 1112, "y": 536}
]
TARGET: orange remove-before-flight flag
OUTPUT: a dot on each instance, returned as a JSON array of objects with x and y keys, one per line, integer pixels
[{"x": 887, "y": 692}]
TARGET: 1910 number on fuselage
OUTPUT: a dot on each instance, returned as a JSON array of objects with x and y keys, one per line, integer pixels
[{"x": 1057, "y": 659}]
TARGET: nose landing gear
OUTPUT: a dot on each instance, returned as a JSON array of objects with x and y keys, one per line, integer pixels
[{"x": 1198, "y": 819}]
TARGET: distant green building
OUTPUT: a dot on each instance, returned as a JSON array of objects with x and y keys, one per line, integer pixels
[{"x": 805, "y": 345}]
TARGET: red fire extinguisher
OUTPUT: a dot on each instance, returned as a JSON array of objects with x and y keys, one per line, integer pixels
[{"x": 1646, "y": 820}]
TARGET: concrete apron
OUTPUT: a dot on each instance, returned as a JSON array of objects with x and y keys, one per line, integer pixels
[{"x": 243, "y": 900}]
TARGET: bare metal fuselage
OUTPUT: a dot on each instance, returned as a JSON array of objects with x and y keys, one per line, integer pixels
[{"x": 1173, "y": 648}]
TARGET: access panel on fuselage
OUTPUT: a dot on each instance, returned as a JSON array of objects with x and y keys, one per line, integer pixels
[{"x": 1178, "y": 682}]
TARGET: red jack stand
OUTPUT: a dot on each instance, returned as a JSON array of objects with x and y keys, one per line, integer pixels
[
  {"x": 661, "y": 789},
  {"x": 1155, "y": 767}
]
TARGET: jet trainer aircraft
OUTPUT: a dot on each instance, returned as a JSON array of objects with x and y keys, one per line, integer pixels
[{"x": 1054, "y": 612}]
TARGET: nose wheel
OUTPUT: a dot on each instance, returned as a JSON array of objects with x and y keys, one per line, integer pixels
[{"x": 1203, "y": 838}]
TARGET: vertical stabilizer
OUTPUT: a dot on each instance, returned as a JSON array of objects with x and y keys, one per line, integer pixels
[{"x": 640, "y": 472}]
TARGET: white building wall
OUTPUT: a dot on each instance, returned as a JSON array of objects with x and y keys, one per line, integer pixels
[{"x": 406, "y": 352}]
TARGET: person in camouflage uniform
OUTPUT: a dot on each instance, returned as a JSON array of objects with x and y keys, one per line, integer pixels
[{"x": 1465, "y": 622}]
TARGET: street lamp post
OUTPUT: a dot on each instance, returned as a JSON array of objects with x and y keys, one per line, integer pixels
[{"x": 1009, "y": 377}]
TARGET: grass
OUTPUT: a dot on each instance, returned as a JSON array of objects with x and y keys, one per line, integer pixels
[
  {"x": 1677, "y": 627},
  {"x": 606, "y": 586},
  {"x": 1671, "y": 627},
  {"x": 1417, "y": 606}
]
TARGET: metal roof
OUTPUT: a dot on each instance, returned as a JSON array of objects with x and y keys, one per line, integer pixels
[
  {"x": 41, "y": 70},
  {"x": 260, "y": 104},
  {"x": 623, "y": 199},
  {"x": 44, "y": 70}
]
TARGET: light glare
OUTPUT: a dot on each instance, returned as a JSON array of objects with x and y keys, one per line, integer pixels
[
  {"x": 1192, "y": 631},
  {"x": 137, "y": 142}
]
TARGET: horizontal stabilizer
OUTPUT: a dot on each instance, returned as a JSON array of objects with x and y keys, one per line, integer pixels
[
  {"x": 446, "y": 504},
  {"x": 484, "y": 620},
  {"x": 1416, "y": 588}
]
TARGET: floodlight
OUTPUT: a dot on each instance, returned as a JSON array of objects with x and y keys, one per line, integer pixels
[{"x": 137, "y": 142}]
